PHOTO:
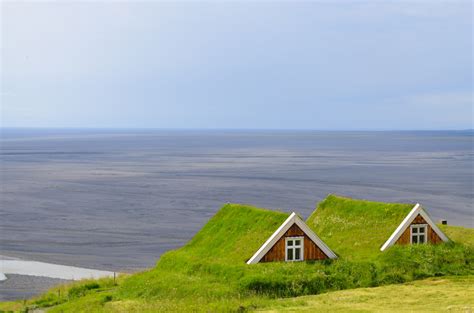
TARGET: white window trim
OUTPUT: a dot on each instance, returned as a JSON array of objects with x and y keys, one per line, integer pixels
[
  {"x": 418, "y": 226},
  {"x": 293, "y": 247}
]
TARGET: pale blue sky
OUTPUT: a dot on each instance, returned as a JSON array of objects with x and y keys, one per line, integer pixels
[{"x": 294, "y": 65}]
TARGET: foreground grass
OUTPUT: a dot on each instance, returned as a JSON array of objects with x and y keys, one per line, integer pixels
[
  {"x": 447, "y": 294},
  {"x": 68, "y": 293}
]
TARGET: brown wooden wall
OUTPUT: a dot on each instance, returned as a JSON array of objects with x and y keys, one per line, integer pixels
[
  {"x": 431, "y": 238},
  {"x": 311, "y": 250}
]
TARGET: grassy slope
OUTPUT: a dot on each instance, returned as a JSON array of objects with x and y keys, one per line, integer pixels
[
  {"x": 447, "y": 294},
  {"x": 356, "y": 229},
  {"x": 233, "y": 234},
  {"x": 459, "y": 234},
  {"x": 210, "y": 274}
]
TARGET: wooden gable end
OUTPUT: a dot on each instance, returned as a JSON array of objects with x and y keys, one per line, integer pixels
[
  {"x": 277, "y": 252},
  {"x": 431, "y": 238}
]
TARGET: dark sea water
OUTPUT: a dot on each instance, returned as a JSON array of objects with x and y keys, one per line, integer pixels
[{"x": 118, "y": 199}]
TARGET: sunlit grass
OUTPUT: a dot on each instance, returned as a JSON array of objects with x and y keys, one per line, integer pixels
[
  {"x": 447, "y": 294},
  {"x": 356, "y": 229}
]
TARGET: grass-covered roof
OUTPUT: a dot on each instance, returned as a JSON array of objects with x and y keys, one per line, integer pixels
[
  {"x": 234, "y": 234},
  {"x": 356, "y": 229}
]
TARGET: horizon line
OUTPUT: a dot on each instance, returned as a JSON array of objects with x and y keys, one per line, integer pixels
[{"x": 227, "y": 129}]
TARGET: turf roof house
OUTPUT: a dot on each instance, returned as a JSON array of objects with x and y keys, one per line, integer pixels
[
  {"x": 360, "y": 228},
  {"x": 417, "y": 227},
  {"x": 292, "y": 241}
]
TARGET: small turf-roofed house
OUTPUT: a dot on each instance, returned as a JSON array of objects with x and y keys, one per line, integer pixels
[
  {"x": 292, "y": 241},
  {"x": 360, "y": 229},
  {"x": 416, "y": 228}
]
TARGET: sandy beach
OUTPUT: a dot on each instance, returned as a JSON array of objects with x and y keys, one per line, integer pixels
[{"x": 34, "y": 268}]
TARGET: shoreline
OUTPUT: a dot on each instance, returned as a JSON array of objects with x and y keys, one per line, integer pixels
[
  {"x": 15, "y": 266},
  {"x": 20, "y": 287},
  {"x": 22, "y": 279}
]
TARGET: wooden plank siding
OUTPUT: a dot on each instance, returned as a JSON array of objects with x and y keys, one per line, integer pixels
[
  {"x": 277, "y": 252},
  {"x": 431, "y": 238}
]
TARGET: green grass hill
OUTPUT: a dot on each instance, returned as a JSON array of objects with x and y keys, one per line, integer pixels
[
  {"x": 232, "y": 235},
  {"x": 446, "y": 294},
  {"x": 209, "y": 273},
  {"x": 356, "y": 229}
]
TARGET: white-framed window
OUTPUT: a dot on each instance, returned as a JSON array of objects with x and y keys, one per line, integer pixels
[
  {"x": 294, "y": 249},
  {"x": 418, "y": 233}
]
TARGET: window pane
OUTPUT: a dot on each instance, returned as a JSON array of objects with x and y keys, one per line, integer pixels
[
  {"x": 290, "y": 242},
  {"x": 414, "y": 239},
  {"x": 297, "y": 242},
  {"x": 414, "y": 230},
  {"x": 289, "y": 254},
  {"x": 422, "y": 239},
  {"x": 298, "y": 254},
  {"x": 422, "y": 229}
]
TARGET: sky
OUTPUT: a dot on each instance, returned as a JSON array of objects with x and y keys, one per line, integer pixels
[{"x": 329, "y": 65}]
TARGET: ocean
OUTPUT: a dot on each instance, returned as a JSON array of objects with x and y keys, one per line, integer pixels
[{"x": 118, "y": 199}]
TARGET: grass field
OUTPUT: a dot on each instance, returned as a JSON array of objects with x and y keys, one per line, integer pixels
[
  {"x": 447, "y": 294},
  {"x": 209, "y": 273}
]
